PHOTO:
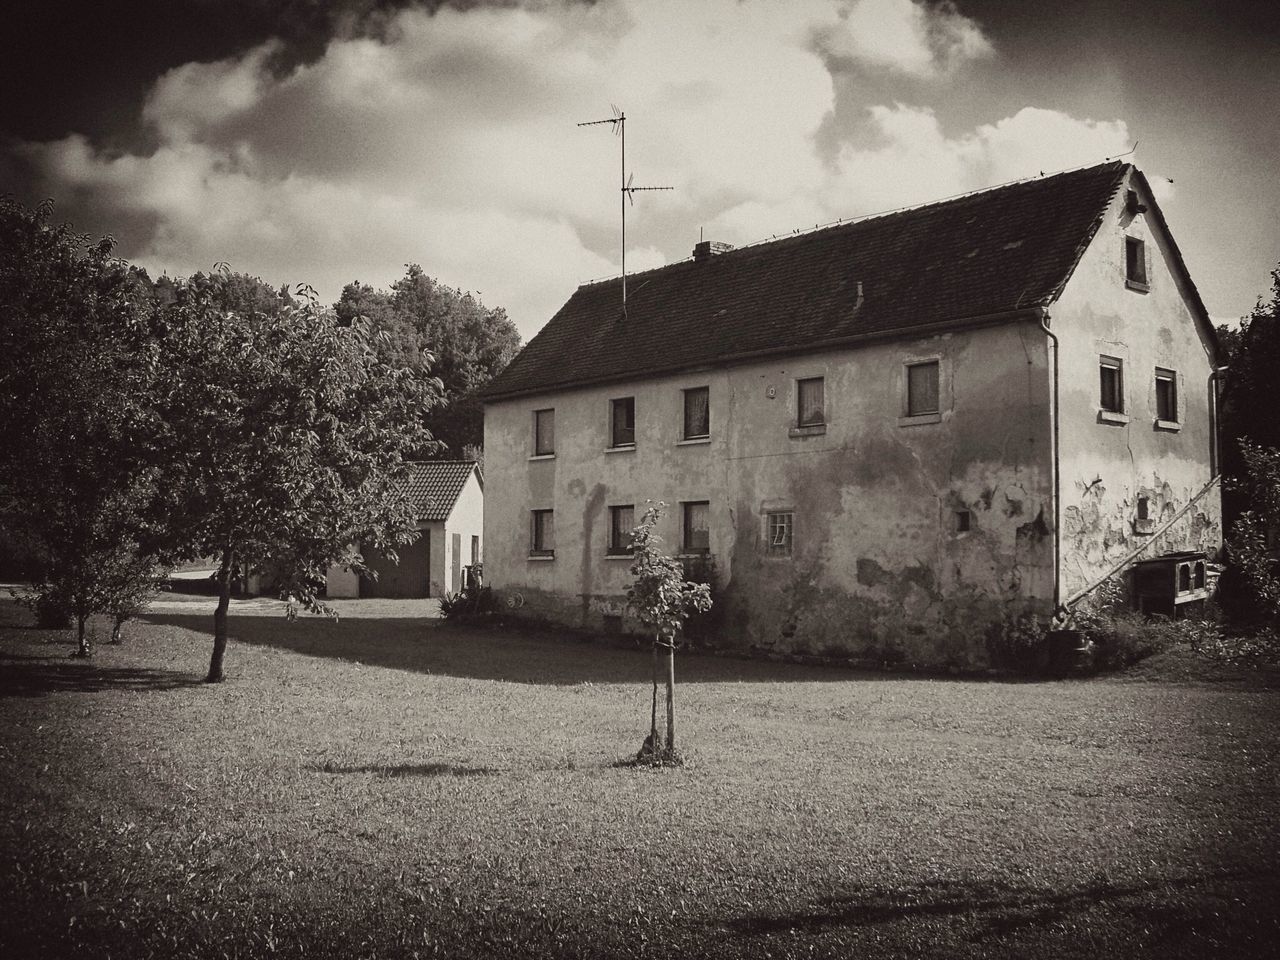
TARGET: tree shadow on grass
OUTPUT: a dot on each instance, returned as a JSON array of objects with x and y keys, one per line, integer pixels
[
  {"x": 486, "y": 652},
  {"x": 27, "y": 676},
  {"x": 391, "y": 770},
  {"x": 1217, "y": 905}
]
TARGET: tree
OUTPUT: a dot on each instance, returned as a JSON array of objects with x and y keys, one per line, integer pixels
[
  {"x": 662, "y": 598},
  {"x": 286, "y": 442},
  {"x": 78, "y": 361},
  {"x": 463, "y": 342}
]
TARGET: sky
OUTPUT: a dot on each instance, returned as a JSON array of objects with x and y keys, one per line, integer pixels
[{"x": 326, "y": 142}]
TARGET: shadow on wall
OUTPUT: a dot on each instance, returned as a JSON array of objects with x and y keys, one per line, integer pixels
[{"x": 492, "y": 653}]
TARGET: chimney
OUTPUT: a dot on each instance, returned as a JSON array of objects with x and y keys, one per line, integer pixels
[{"x": 706, "y": 249}]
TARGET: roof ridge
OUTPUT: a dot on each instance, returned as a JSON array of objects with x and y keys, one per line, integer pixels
[{"x": 839, "y": 222}]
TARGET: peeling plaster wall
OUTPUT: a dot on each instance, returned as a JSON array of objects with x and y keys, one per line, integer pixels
[
  {"x": 879, "y": 568},
  {"x": 1107, "y": 466}
]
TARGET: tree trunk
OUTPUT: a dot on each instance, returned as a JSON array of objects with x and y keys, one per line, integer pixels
[
  {"x": 220, "y": 618},
  {"x": 671, "y": 699},
  {"x": 82, "y": 639},
  {"x": 653, "y": 713},
  {"x": 115, "y": 630}
]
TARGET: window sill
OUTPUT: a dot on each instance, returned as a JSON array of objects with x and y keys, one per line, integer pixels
[
  {"x": 812, "y": 430},
  {"x": 617, "y": 556},
  {"x": 542, "y": 556},
  {"x": 1110, "y": 416},
  {"x": 919, "y": 419},
  {"x": 777, "y": 556},
  {"x": 1172, "y": 426},
  {"x": 693, "y": 442},
  {"x": 1138, "y": 285},
  {"x": 543, "y": 456},
  {"x": 1144, "y": 528},
  {"x": 624, "y": 448},
  {"x": 693, "y": 554}
]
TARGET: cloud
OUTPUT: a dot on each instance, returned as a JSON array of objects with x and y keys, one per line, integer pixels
[
  {"x": 904, "y": 35},
  {"x": 450, "y": 139}
]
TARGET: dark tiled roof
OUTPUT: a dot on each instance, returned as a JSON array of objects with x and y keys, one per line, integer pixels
[
  {"x": 435, "y": 486},
  {"x": 976, "y": 255}
]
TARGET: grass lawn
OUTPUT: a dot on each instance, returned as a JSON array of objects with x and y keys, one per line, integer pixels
[{"x": 389, "y": 786}]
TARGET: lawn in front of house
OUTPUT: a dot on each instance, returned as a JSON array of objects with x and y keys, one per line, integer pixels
[{"x": 389, "y": 785}]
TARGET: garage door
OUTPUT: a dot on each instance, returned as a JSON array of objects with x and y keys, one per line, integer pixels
[{"x": 410, "y": 578}]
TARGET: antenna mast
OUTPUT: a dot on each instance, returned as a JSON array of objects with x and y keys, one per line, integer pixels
[{"x": 619, "y": 122}]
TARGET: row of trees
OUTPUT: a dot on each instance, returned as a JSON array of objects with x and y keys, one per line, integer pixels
[{"x": 150, "y": 423}]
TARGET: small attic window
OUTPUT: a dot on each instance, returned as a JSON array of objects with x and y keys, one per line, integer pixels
[{"x": 1135, "y": 264}]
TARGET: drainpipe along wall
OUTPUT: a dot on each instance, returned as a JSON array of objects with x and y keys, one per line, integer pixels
[{"x": 1057, "y": 498}]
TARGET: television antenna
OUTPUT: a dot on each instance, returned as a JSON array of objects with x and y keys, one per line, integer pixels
[{"x": 629, "y": 189}]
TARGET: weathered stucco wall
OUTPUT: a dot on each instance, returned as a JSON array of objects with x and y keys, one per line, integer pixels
[
  {"x": 1108, "y": 462},
  {"x": 879, "y": 566}
]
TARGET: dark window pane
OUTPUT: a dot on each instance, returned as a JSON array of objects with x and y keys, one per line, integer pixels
[
  {"x": 624, "y": 422},
  {"x": 810, "y": 399},
  {"x": 697, "y": 535},
  {"x": 544, "y": 433},
  {"x": 1166, "y": 396},
  {"x": 697, "y": 414},
  {"x": 544, "y": 533},
  {"x": 922, "y": 389},
  {"x": 1111, "y": 396},
  {"x": 1135, "y": 260}
]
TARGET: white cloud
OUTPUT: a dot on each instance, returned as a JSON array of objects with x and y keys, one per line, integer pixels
[{"x": 451, "y": 141}]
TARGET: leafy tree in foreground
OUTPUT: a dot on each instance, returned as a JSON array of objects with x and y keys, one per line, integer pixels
[
  {"x": 76, "y": 364},
  {"x": 663, "y": 599},
  {"x": 287, "y": 439}
]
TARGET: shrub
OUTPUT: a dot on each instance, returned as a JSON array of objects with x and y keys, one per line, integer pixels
[
  {"x": 1018, "y": 642},
  {"x": 53, "y": 611},
  {"x": 1123, "y": 637},
  {"x": 468, "y": 602}
]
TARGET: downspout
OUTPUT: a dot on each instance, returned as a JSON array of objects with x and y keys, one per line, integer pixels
[
  {"x": 1057, "y": 499},
  {"x": 1215, "y": 441}
]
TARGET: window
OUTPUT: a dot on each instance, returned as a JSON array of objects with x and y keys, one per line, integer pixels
[
  {"x": 964, "y": 521},
  {"x": 622, "y": 521},
  {"x": 1144, "y": 508},
  {"x": 1166, "y": 395},
  {"x": 697, "y": 413},
  {"x": 1135, "y": 262},
  {"x": 1111, "y": 374},
  {"x": 697, "y": 534},
  {"x": 544, "y": 433},
  {"x": 622, "y": 422},
  {"x": 809, "y": 402},
  {"x": 779, "y": 531},
  {"x": 543, "y": 540},
  {"x": 922, "y": 388}
]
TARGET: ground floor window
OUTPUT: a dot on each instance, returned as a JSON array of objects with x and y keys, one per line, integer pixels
[
  {"x": 543, "y": 540},
  {"x": 622, "y": 520},
  {"x": 697, "y": 527}
]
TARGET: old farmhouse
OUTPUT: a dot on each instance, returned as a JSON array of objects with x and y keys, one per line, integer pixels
[{"x": 890, "y": 435}]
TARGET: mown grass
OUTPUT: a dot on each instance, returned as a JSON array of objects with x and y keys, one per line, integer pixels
[{"x": 389, "y": 786}]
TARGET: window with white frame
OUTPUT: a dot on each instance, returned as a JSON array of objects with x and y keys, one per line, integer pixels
[{"x": 779, "y": 533}]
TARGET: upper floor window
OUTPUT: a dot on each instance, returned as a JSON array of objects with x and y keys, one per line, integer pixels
[
  {"x": 544, "y": 433},
  {"x": 697, "y": 527},
  {"x": 697, "y": 413},
  {"x": 1135, "y": 263},
  {"x": 542, "y": 541},
  {"x": 810, "y": 400},
  {"x": 622, "y": 521},
  {"x": 622, "y": 422},
  {"x": 922, "y": 388},
  {"x": 1166, "y": 395},
  {"x": 1111, "y": 377}
]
